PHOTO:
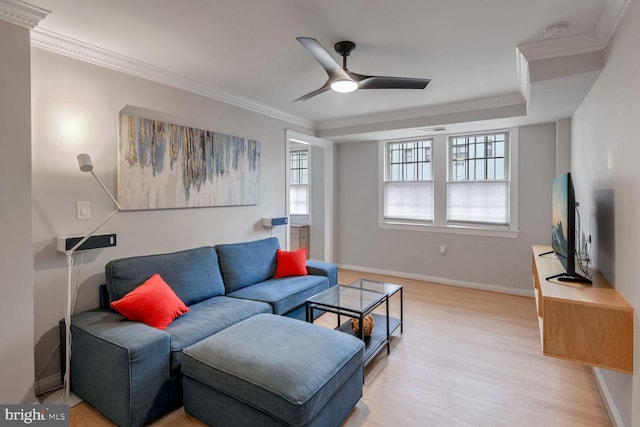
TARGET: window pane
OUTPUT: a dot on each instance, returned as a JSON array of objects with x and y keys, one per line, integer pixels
[
  {"x": 298, "y": 165},
  {"x": 477, "y": 153},
  {"x": 500, "y": 172},
  {"x": 479, "y": 176},
  {"x": 426, "y": 171},
  {"x": 395, "y": 173},
  {"x": 480, "y": 150},
  {"x": 491, "y": 169},
  {"x": 406, "y": 160}
]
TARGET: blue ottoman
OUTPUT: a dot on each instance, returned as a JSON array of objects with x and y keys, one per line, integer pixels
[{"x": 271, "y": 370}]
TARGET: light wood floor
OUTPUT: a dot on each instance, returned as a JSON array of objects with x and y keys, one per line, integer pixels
[{"x": 466, "y": 358}]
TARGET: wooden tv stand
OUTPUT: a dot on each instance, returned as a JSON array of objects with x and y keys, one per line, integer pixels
[{"x": 592, "y": 324}]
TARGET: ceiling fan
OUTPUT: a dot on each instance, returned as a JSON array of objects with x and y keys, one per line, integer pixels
[{"x": 343, "y": 80}]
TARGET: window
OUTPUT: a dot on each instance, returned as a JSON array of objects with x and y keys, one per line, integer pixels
[
  {"x": 299, "y": 182},
  {"x": 464, "y": 183},
  {"x": 408, "y": 184},
  {"x": 478, "y": 184}
]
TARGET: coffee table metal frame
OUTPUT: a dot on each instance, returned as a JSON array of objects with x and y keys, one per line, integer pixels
[
  {"x": 369, "y": 296},
  {"x": 390, "y": 289}
]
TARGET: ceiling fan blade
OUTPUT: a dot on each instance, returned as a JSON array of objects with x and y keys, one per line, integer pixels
[
  {"x": 333, "y": 69},
  {"x": 323, "y": 89},
  {"x": 382, "y": 82}
]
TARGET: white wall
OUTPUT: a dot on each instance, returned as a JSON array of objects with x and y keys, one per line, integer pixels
[
  {"x": 16, "y": 266},
  {"x": 75, "y": 110},
  {"x": 604, "y": 161},
  {"x": 489, "y": 262},
  {"x": 317, "y": 229},
  {"x": 563, "y": 146}
]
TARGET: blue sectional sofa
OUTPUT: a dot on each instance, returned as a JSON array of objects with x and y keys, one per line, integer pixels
[{"x": 131, "y": 372}]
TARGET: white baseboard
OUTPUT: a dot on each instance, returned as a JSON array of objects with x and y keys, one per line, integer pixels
[
  {"x": 48, "y": 384},
  {"x": 442, "y": 280},
  {"x": 609, "y": 403}
]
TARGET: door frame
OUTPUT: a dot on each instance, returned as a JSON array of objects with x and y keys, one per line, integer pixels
[{"x": 328, "y": 208}]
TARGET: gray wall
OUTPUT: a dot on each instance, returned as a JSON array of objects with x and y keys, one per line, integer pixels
[
  {"x": 604, "y": 161},
  {"x": 75, "y": 110},
  {"x": 486, "y": 262},
  {"x": 16, "y": 267}
]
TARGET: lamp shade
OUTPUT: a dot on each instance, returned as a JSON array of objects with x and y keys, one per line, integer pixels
[{"x": 84, "y": 161}]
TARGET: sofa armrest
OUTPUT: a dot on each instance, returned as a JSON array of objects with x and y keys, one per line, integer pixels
[
  {"x": 318, "y": 268},
  {"x": 120, "y": 367}
]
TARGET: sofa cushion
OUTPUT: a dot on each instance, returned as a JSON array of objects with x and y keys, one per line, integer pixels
[
  {"x": 193, "y": 274},
  {"x": 284, "y": 294},
  {"x": 153, "y": 303},
  {"x": 244, "y": 264},
  {"x": 291, "y": 263},
  {"x": 205, "y": 319}
]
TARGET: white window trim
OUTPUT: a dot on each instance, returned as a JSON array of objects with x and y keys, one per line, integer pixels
[
  {"x": 304, "y": 219},
  {"x": 439, "y": 225}
]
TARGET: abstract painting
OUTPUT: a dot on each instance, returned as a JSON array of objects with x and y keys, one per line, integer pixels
[{"x": 162, "y": 165}]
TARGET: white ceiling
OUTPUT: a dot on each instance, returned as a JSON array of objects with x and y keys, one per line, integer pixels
[{"x": 245, "y": 52}]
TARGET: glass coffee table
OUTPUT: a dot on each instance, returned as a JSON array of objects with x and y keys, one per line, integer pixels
[{"x": 356, "y": 300}]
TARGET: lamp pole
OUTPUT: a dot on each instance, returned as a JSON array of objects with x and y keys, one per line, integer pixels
[{"x": 64, "y": 396}]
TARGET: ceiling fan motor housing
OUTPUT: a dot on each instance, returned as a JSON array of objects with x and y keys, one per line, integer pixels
[{"x": 344, "y": 48}]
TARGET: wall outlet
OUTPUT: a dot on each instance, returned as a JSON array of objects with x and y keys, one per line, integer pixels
[
  {"x": 83, "y": 210},
  {"x": 443, "y": 249}
]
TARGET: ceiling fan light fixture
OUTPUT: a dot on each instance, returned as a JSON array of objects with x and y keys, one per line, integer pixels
[
  {"x": 344, "y": 81},
  {"x": 344, "y": 86}
]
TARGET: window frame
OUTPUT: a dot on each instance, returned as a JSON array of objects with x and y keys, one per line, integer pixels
[
  {"x": 440, "y": 177},
  {"x": 388, "y": 171},
  {"x": 303, "y": 219}
]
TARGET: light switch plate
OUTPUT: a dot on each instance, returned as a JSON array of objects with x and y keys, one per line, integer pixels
[{"x": 83, "y": 210}]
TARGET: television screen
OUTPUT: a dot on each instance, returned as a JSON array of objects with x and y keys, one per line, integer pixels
[
  {"x": 563, "y": 228},
  {"x": 560, "y": 219}
]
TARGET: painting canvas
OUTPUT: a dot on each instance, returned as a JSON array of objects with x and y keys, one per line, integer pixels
[{"x": 163, "y": 165}]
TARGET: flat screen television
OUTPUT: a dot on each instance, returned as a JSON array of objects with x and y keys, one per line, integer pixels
[{"x": 563, "y": 229}]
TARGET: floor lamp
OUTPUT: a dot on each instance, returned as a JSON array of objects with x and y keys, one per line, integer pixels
[{"x": 64, "y": 396}]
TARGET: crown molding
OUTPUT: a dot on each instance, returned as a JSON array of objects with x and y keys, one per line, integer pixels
[
  {"x": 527, "y": 53},
  {"x": 562, "y": 46},
  {"x": 610, "y": 17},
  {"x": 21, "y": 13},
  {"x": 608, "y": 21},
  {"x": 67, "y": 46}
]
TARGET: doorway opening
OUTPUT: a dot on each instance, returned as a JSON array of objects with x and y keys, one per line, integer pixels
[{"x": 309, "y": 195}]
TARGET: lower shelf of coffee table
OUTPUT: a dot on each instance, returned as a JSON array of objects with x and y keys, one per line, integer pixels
[{"x": 378, "y": 338}]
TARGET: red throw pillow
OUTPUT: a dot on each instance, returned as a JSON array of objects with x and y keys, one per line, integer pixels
[
  {"x": 153, "y": 303},
  {"x": 291, "y": 263}
]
